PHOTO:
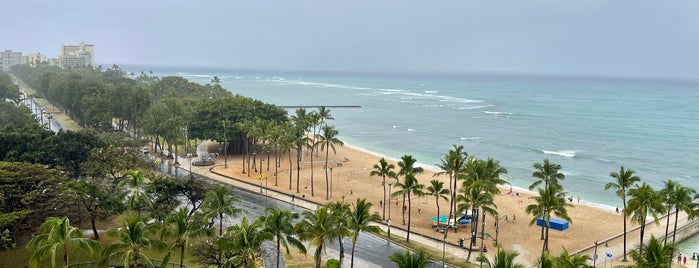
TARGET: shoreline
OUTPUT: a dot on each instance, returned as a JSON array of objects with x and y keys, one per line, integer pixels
[{"x": 515, "y": 188}]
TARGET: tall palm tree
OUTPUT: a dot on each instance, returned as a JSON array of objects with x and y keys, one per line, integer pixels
[
  {"x": 503, "y": 259},
  {"x": 436, "y": 189},
  {"x": 219, "y": 202},
  {"x": 657, "y": 254},
  {"x": 407, "y": 260},
  {"x": 314, "y": 122},
  {"x": 624, "y": 180},
  {"x": 56, "y": 238},
  {"x": 328, "y": 139},
  {"x": 131, "y": 237},
  {"x": 644, "y": 202},
  {"x": 244, "y": 240},
  {"x": 453, "y": 164},
  {"x": 472, "y": 196},
  {"x": 340, "y": 211},
  {"x": 136, "y": 180},
  {"x": 317, "y": 227},
  {"x": 383, "y": 169},
  {"x": 550, "y": 200},
  {"x": 180, "y": 226},
  {"x": 288, "y": 134},
  {"x": 679, "y": 197},
  {"x": 324, "y": 114},
  {"x": 360, "y": 220},
  {"x": 546, "y": 172},
  {"x": 280, "y": 223},
  {"x": 407, "y": 166},
  {"x": 412, "y": 187}
]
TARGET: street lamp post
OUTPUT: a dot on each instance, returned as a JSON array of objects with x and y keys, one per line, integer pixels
[
  {"x": 482, "y": 233},
  {"x": 388, "y": 222},
  {"x": 594, "y": 256}
]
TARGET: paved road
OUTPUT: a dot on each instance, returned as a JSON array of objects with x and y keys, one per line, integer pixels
[{"x": 371, "y": 251}]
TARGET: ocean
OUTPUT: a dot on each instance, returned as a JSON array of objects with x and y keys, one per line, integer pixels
[{"x": 590, "y": 126}]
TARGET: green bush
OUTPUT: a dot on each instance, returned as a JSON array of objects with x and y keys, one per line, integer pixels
[{"x": 332, "y": 263}]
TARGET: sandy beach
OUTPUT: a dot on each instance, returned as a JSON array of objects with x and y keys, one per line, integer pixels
[{"x": 351, "y": 180}]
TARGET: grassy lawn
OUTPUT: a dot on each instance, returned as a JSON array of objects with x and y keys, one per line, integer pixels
[{"x": 57, "y": 114}]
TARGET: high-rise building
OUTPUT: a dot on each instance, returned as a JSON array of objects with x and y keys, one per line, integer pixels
[
  {"x": 9, "y": 58},
  {"x": 77, "y": 55}
]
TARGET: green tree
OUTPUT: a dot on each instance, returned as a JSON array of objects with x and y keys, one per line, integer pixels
[
  {"x": 244, "y": 240},
  {"x": 566, "y": 260},
  {"x": 360, "y": 221},
  {"x": 548, "y": 173},
  {"x": 279, "y": 222},
  {"x": 644, "y": 202},
  {"x": 183, "y": 228},
  {"x": 473, "y": 196},
  {"x": 411, "y": 187},
  {"x": 679, "y": 198},
  {"x": 436, "y": 189},
  {"x": 136, "y": 180},
  {"x": 453, "y": 164},
  {"x": 502, "y": 259},
  {"x": 550, "y": 200},
  {"x": 406, "y": 166},
  {"x": 98, "y": 199},
  {"x": 317, "y": 227},
  {"x": 340, "y": 211},
  {"x": 132, "y": 236},
  {"x": 383, "y": 169},
  {"x": 408, "y": 260},
  {"x": 657, "y": 254},
  {"x": 56, "y": 238},
  {"x": 328, "y": 139},
  {"x": 220, "y": 202},
  {"x": 624, "y": 180}
]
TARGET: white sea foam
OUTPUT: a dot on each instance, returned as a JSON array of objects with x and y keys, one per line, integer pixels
[
  {"x": 564, "y": 153},
  {"x": 411, "y": 130},
  {"x": 470, "y": 138},
  {"x": 497, "y": 113},
  {"x": 475, "y": 107},
  {"x": 431, "y": 91},
  {"x": 396, "y": 126}
]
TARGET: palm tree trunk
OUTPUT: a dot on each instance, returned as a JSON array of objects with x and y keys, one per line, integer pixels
[
  {"x": 473, "y": 233},
  {"x": 318, "y": 251},
  {"x": 298, "y": 168},
  {"x": 624, "y": 213},
  {"x": 312, "y": 190},
  {"x": 93, "y": 222},
  {"x": 383, "y": 206},
  {"x": 182, "y": 255},
  {"x": 220, "y": 224},
  {"x": 291, "y": 173},
  {"x": 327, "y": 184},
  {"x": 352, "y": 259},
  {"x": 643, "y": 229},
  {"x": 403, "y": 209},
  {"x": 674, "y": 230},
  {"x": 279, "y": 252},
  {"x": 276, "y": 167},
  {"x": 407, "y": 235},
  {"x": 546, "y": 240},
  {"x": 667, "y": 225},
  {"x": 342, "y": 249},
  {"x": 437, "y": 201}
]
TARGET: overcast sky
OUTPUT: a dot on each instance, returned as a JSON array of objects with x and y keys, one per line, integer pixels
[{"x": 633, "y": 38}]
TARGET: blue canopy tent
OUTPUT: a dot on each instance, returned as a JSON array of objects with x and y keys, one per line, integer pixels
[
  {"x": 440, "y": 219},
  {"x": 556, "y": 224}
]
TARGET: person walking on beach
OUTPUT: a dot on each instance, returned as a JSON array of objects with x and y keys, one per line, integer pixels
[
  {"x": 380, "y": 203},
  {"x": 293, "y": 198},
  {"x": 514, "y": 217},
  {"x": 684, "y": 260}
]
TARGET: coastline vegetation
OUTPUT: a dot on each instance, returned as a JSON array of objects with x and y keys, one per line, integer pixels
[{"x": 98, "y": 174}]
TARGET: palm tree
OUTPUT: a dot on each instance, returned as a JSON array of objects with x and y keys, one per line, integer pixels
[
  {"x": 453, "y": 164},
  {"x": 565, "y": 260},
  {"x": 132, "y": 236},
  {"x": 503, "y": 259},
  {"x": 313, "y": 121},
  {"x": 279, "y": 222},
  {"x": 625, "y": 179},
  {"x": 317, "y": 227},
  {"x": 383, "y": 169},
  {"x": 644, "y": 201},
  {"x": 136, "y": 180},
  {"x": 244, "y": 240},
  {"x": 550, "y": 200},
  {"x": 183, "y": 228},
  {"x": 474, "y": 196},
  {"x": 408, "y": 260},
  {"x": 411, "y": 186},
  {"x": 657, "y": 254},
  {"x": 437, "y": 190},
  {"x": 546, "y": 173},
  {"x": 56, "y": 238},
  {"x": 328, "y": 139},
  {"x": 407, "y": 166},
  {"x": 359, "y": 221},
  {"x": 679, "y": 197},
  {"x": 340, "y": 211},
  {"x": 219, "y": 202}
]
